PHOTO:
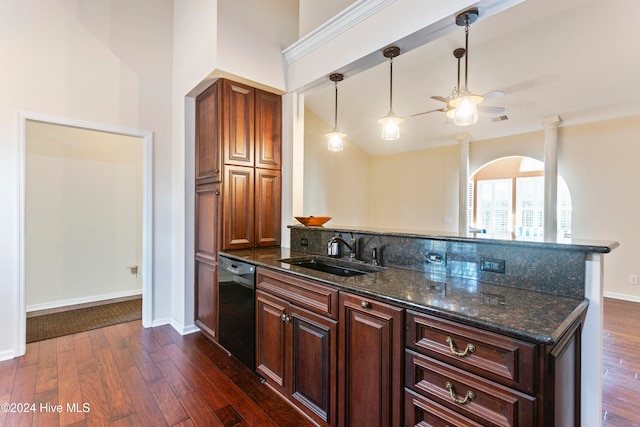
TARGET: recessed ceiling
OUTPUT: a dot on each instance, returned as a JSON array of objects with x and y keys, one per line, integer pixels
[{"x": 576, "y": 58}]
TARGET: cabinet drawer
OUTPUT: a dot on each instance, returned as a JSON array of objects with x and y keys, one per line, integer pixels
[
  {"x": 303, "y": 293},
  {"x": 483, "y": 401},
  {"x": 419, "y": 411},
  {"x": 506, "y": 360}
]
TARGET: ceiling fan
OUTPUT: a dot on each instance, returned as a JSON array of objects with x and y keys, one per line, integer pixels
[{"x": 450, "y": 109}]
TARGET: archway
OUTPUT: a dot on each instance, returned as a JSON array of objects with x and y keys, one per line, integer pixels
[{"x": 507, "y": 199}]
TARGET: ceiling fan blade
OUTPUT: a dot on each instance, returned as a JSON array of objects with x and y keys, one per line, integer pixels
[
  {"x": 440, "y": 98},
  {"x": 493, "y": 94},
  {"x": 443, "y": 110},
  {"x": 491, "y": 110}
]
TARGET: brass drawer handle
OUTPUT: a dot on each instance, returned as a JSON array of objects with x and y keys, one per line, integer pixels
[
  {"x": 468, "y": 398},
  {"x": 365, "y": 304},
  {"x": 470, "y": 348}
]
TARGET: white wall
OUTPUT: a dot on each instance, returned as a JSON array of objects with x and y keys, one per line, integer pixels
[
  {"x": 239, "y": 40},
  {"x": 107, "y": 62},
  {"x": 83, "y": 215},
  {"x": 599, "y": 163},
  {"x": 313, "y": 13},
  {"x": 336, "y": 184},
  {"x": 416, "y": 190}
]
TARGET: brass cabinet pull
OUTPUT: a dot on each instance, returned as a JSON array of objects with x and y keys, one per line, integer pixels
[
  {"x": 365, "y": 304},
  {"x": 469, "y": 397},
  {"x": 285, "y": 318},
  {"x": 470, "y": 348}
]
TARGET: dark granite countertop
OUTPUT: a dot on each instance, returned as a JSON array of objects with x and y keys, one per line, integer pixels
[{"x": 532, "y": 316}]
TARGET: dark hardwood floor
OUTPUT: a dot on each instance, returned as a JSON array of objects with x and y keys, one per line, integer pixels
[
  {"x": 125, "y": 375},
  {"x": 621, "y": 364}
]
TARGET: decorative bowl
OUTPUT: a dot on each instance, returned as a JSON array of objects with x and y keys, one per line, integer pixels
[{"x": 313, "y": 221}]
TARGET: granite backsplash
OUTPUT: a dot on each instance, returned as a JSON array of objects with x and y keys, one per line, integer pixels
[{"x": 549, "y": 270}]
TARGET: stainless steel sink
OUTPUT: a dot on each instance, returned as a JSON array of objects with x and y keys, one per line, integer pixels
[{"x": 332, "y": 266}]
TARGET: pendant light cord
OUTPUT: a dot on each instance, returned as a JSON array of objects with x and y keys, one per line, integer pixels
[
  {"x": 335, "y": 117},
  {"x": 466, "y": 54},
  {"x": 391, "y": 84}
]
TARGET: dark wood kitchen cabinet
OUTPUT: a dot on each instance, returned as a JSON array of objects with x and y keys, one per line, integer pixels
[
  {"x": 252, "y": 139},
  {"x": 296, "y": 342},
  {"x": 207, "y": 225},
  {"x": 237, "y": 151},
  {"x": 208, "y": 135},
  {"x": 462, "y": 375},
  {"x": 371, "y": 362}
]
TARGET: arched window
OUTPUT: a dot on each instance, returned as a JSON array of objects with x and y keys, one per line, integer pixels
[{"x": 507, "y": 198}]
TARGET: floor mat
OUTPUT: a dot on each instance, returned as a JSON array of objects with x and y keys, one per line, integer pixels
[{"x": 82, "y": 319}]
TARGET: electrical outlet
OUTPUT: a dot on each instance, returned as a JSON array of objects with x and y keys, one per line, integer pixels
[
  {"x": 439, "y": 258},
  {"x": 304, "y": 242},
  {"x": 492, "y": 265},
  {"x": 633, "y": 279}
]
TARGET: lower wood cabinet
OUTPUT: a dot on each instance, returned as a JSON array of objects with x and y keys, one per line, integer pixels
[
  {"x": 296, "y": 348},
  {"x": 458, "y": 375},
  {"x": 370, "y": 362},
  {"x": 347, "y": 360}
]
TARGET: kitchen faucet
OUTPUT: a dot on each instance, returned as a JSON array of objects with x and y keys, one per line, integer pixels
[{"x": 333, "y": 247}]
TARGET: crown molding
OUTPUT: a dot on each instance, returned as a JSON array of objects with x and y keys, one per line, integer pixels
[{"x": 349, "y": 17}]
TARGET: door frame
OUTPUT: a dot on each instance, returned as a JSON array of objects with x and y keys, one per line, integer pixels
[{"x": 147, "y": 211}]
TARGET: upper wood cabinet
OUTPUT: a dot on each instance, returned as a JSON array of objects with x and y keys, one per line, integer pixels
[
  {"x": 252, "y": 126},
  {"x": 268, "y": 130},
  {"x": 239, "y": 122},
  {"x": 208, "y": 131}
]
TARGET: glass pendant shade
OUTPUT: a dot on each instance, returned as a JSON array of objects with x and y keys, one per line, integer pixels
[
  {"x": 466, "y": 113},
  {"x": 336, "y": 140},
  {"x": 390, "y": 123},
  {"x": 390, "y": 126}
]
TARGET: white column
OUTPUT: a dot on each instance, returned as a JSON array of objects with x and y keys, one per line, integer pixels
[
  {"x": 292, "y": 161},
  {"x": 551, "y": 125},
  {"x": 463, "y": 187},
  {"x": 592, "y": 330}
]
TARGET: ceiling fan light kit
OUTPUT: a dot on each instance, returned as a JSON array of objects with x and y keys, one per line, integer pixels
[
  {"x": 390, "y": 122},
  {"x": 336, "y": 138}
]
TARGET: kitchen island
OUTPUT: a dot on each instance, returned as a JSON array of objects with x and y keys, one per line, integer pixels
[{"x": 536, "y": 298}]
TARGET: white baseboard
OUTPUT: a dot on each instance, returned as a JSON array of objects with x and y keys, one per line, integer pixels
[
  {"x": 83, "y": 300},
  {"x": 161, "y": 322},
  {"x": 184, "y": 329},
  {"x": 624, "y": 297},
  {"x": 7, "y": 355}
]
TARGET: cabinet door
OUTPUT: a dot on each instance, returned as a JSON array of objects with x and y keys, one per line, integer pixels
[
  {"x": 207, "y": 231},
  {"x": 314, "y": 364},
  {"x": 208, "y": 135},
  {"x": 238, "y": 208},
  {"x": 371, "y": 344},
  {"x": 267, "y": 208},
  {"x": 268, "y": 130},
  {"x": 238, "y": 123},
  {"x": 273, "y": 356}
]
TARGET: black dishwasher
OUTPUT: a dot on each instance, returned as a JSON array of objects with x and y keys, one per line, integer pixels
[{"x": 236, "y": 308}]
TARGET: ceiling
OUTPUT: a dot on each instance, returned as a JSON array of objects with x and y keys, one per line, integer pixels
[{"x": 578, "y": 59}]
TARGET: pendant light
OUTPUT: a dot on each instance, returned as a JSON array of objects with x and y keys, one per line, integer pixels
[
  {"x": 391, "y": 122},
  {"x": 336, "y": 142},
  {"x": 466, "y": 110}
]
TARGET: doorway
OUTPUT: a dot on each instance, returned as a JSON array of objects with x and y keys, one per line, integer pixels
[{"x": 85, "y": 214}]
